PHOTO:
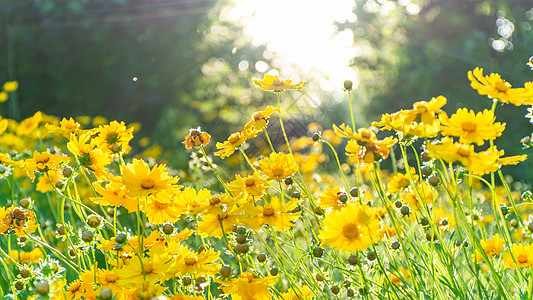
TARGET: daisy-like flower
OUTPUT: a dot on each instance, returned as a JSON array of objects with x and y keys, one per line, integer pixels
[
  {"x": 10, "y": 86},
  {"x": 107, "y": 279},
  {"x": 89, "y": 155},
  {"x": 151, "y": 270},
  {"x": 66, "y": 128},
  {"x": 491, "y": 247},
  {"x": 192, "y": 262},
  {"x": 305, "y": 294},
  {"x": 191, "y": 202},
  {"x": 43, "y": 162},
  {"x": 523, "y": 256},
  {"x": 329, "y": 199},
  {"x": 247, "y": 286},
  {"x": 27, "y": 126},
  {"x": 260, "y": 119},
  {"x": 369, "y": 150},
  {"x": 496, "y": 88},
  {"x": 353, "y": 228},
  {"x": 114, "y": 137},
  {"x": 21, "y": 221},
  {"x": 253, "y": 185},
  {"x": 273, "y": 83},
  {"x": 141, "y": 181},
  {"x": 195, "y": 138},
  {"x": 215, "y": 225},
  {"x": 27, "y": 257},
  {"x": 471, "y": 127},
  {"x": 228, "y": 147},
  {"x": 161, "y": 208},
  {"x": 274, "y": 214},
  {"x": 399, "y": 181},
  {"x": 114, "y": 193},
  {"x": 278, "y": 166}
]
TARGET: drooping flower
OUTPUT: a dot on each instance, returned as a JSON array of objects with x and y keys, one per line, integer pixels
[
  {"x": 228, "y": 147},
  {"x": 273, "y": 83},
  {"x": 260, "y": 119},
  {"x": 141, "y": 181},
  {"x": 278, "y": 166},
  {"x": 195, "y": 138},
  {"x": 471, "y": 127},
  {"x": 353, "y": 228}
]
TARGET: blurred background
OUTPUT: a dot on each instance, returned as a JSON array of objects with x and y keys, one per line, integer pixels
[{"x": 174, "y": 65}]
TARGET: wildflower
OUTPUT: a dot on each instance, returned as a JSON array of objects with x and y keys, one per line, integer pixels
[
  {"x": 3, "y": 96},
  {"x": 114, "y": 193},
  {"x": 523, "y": 256},
  {"x": 195, "y": 138},
  {"x": 114, "y": 137},
  {"x": 329, "y": 199},
  {"x": 491, "y": 247},
  {"x": 107, "y": 279},
  {"x": 192, "y": 203},
  {"x": 404, "y": 275},
  {"x": 260, "y": 119},
  {"x": 43, "y": 162},
  {"x": 278, "y": 166},
  {"x": 253, "y": 185},
  {"x": 89, "y": 155},
  {"x": 273, "y": 83},
  {"x": 47, "y": 183},
  {"x": 27, "y": 257},
  {"x": 275, "y": 214},
  {"x": 305, "y": 294},
  {"x": 141, "y": 181},
  {"x": 27, "y": 126},
  {"x": 353, "y": 228},
  {"x": 399, "y": 181},
  {"x": 215, "y": 225},
  {"x": 228, "y": 147},
  {"x": 471, "y": 127},
  {"x": 496, "y": 88},
  {"x": 161, "y": 208},
  {"x": 150, "y": 270},
  {"x": 368, "y": 149},
  {"x": 65, "y": 128},
  {"x": 79, "y": 290},
  {"x": 194, "y": 263},
  {"x": 11, "y": 86},
  {"x": 248, "y": 286},
  {"x": 21, "y": 221}
]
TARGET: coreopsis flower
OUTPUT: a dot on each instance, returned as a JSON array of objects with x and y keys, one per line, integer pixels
[
  {"x": 228, "y": 147},
  {"x": 344, "y": 131},
  {"x": 79, "y": 290},
  {"x": 353, "y": 228},
  {"x": 43, "y": 162},
  {"x": 305, "y": 293},
  {"x": 215, "y": 225},
  {"x": 27, "y": 257},
  {"x": 471, "y": 127},
  {"x": 329, "y": 199},
  {"x": 18, "y": 220},
  {"x": 404, "y": 275},
  {"x": 523, "y": 256},
  {"x": 260, "y": 119},
  {"x": 114, "y": 137},
  {"x": 151, "y": 270},
  {"x": 253, "y": 185},
  {"x": 443, "y": 219},
  {"x": 142, "y": 181},
  {"x": 495, "y": 87},
  {"x": 11, "y": 86},
  {"x": 46, "y": 183},
  {"x": 275, "y": 214},
  {"x": 191, "y": 202},
  {"x": 419, "y": 194},
  {"x": 194, "y": 263},
  {"x": 278, "y": 166},
  {"x": 195, "y": 138},
  {"x": 89, "y": 155},
  {"x": 27, "y": 126},
  {"x": 107, "y": 279},
  {"x": 115, "y": 194},
  {"x": 161, "y": 207},
  {"x": 491, "y": 247},
  {"x": 66, "y": 128},
  {"x": 274, "y": 84},
  {"x": 369, "y": 150},
  {"x": 399, "y": 181},
  {"x": 248, "y": 286}
]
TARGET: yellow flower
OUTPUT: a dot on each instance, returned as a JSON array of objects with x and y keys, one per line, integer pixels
[
  {"x": 191, "y": 203},
  {"x": 141, "y": 181},
  {"x": 3, "y": 96},
  {"x": 353, "y": 228},
  {"x": 25, "y": 257},
  {"x": 115, "y": 193},
  {"x": 151, "y": 270},
  {"x": 278, "y": 166},
  {"x": 114, "y": 137},
  {"x": 253, "y": 186},
  {"x": 43, "y": 162},
  {"x": 294, "y": 294},
  {"x": 107, "y": 279},
  {"x": 89, "y": 155},
  {"x": 11, "y": 86},
  {"x": 399, "y": 181},
  {"x": 215, "y": 225},
  {"x": 496, "y": 88},
  {"x": 491, "y": 247},
  {"x": 227, "y": 148},
  {"x": 260, "y": 119},
  {"x": 471, "y": 127},
  {"x": 194, "y": 263},
  {"x": 273, "y": 83},
  {"x": 329, "y": 199},
  {"x": 195, "y": 138},
  {"x": 523, "y": 256},
  {"x": 247, "y": 286},
  {"x": 45, "y": 184},
  {"x": 161, "y": 208},
  {"x": 275, "y": 214},
  {"x": 65, "y": 128},
  {"x": 21, "y": 221}
]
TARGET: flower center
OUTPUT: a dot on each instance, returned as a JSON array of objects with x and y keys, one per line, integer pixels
[
  {"x": 277, "y": 83},
  {"x": 522, "y": 259},
  {"x": 350, "y": 231},
  {"x": 214, "y": 200},
  {"x": 148, "y": 268},
  {"x": 190, "y": 260},
  {"x": 74, "y": 287},
  {"x": 111, "y": 277},
  {"x": 278, "y": 172},
  {"x": 161, "y": 205},
  {"x": 234, "y": 138},
  {"x": 147, "y": 183},
  {"x": 43, "y": 160},
  {"x": 249, "y": 182},
  {"x": 469, "y": 126},
  {"x": 502, "y": 86},
  {"x": 464, "y": 151},
  {"x": 269, "y": 211}
]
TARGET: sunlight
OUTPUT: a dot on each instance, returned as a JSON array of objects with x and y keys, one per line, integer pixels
[{"x": 301, "y": 37}]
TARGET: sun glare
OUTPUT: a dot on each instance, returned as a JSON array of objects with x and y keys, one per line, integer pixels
[{"x": 300, "y": 37}]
